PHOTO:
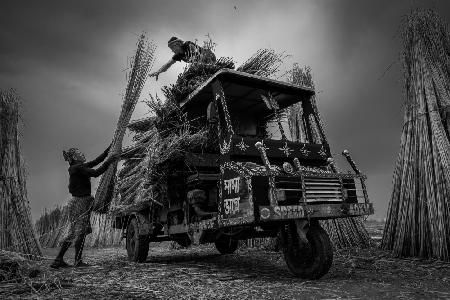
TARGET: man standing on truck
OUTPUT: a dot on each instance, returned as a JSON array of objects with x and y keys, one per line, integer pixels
[
  {"x": 80, "y": 205},
  {"x": 185, "y": 51}
]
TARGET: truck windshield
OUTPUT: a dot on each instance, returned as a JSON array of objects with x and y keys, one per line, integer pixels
[
  {"x": 267, "y": 127},
  {"x": 255, "y": 119},
  {"x": 273, "y": 129}
]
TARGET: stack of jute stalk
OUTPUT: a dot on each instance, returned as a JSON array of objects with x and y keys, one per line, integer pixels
[
  {"x": 52, "y": 226},
  {"x": 159, "y": 142},
  {"x": 142, "y": 62},
  {"x": 192, "y": 77},
  {"x": 343, "y": 232},
  {"x": 418, "y": 219},
  {"x": 16, "y": 228}
]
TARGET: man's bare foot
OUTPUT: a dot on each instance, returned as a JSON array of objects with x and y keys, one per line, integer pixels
[
  {"x": 80, "y": 264},
  {"x": 59, "y": 263}
]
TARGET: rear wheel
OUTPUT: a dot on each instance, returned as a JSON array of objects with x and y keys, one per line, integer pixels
[
  {"x": 137, "y": 245},
  {"x": 226, "y": 245},
  {"x": 311, "y": 259}
]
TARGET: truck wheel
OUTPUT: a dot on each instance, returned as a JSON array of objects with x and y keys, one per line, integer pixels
[
  {"x": 137, "y": 245},
  {"x": 310, "y": 260},
  {"x": 226, "y": 245}
]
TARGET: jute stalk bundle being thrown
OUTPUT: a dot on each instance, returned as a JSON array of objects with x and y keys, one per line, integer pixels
[
  {"x": 16, "y": 228},
  {"x": 418, "y": 220},
  {"x": 143, "y": 60}
]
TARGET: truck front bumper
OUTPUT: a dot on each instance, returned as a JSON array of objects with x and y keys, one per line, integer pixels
[{"x": 316, "y": 211}]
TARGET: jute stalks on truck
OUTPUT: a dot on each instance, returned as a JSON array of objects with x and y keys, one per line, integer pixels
[
  {"x": 418, "y": 220},
  {"x": 16, "y": 228}
]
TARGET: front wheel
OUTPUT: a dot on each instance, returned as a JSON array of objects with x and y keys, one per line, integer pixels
[
  {"x": 137, "y": 245},
  {"x": 310, "y": 260}
]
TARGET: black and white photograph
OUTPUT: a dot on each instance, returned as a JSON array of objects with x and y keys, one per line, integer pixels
[{"x": 225, "y": 149}]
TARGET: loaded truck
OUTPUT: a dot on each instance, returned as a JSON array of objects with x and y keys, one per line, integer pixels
[{"x": 250, "y": 183}]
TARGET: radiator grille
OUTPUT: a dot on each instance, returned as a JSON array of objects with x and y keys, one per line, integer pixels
[
  {"x": 323, "y": 189},
  {"x": 317, "y": 189}
]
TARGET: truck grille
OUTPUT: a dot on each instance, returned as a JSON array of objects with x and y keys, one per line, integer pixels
[
  {"x": 316, "y": 189},
  {"x": 323, "y": 189}
]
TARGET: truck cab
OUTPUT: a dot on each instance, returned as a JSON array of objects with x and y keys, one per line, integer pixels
[{"x": 270, "y": 169}]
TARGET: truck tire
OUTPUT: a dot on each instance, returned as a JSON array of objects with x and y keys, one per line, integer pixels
[
  {"x": 137, "y": 245},
  {"x": 226, "y": 245},
  {"x": 307, "y": 261}
]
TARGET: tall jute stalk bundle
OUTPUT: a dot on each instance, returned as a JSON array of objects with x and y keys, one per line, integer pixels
[
  {"x": 143, "y": 60},
  {"x": 418, "y": 219},
  {"x": 345, "y": 232},
  {"x": 16, "y": 228}
]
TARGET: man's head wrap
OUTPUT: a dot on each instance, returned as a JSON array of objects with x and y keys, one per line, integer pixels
[
  {"x": 72, "y": 154},
  {"x": 174, "y": 40}
]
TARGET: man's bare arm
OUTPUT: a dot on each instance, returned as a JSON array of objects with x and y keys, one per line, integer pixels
[
  {"x": 163, "y": 69},
  {"x": 99, "y": 159},
  {"x": 100, "y": 170}
]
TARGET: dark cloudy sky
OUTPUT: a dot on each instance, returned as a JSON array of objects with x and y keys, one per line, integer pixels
[{"x": 67, "y": 61}]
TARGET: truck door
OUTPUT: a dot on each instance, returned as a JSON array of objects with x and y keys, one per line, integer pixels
[{"x": 235, "y": 194}]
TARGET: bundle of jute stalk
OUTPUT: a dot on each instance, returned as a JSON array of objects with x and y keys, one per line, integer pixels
[
  {"x": 192, "y": 77},
  {"x": 51, "y": 225},
  {"x": 154, "y": 155},
  {"x": 265, "y": 63},
  {"x": 418, "y": 219},
  {"x": 142, "y": 62},
  {"x": 343, "y": 232},
  {"x": 16, "y": 228}
]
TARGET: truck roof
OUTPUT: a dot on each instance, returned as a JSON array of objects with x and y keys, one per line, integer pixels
[{"x": 246, "y": 87}]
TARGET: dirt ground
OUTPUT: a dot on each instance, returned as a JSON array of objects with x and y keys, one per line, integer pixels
[{"x": 201, "y": 273}]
